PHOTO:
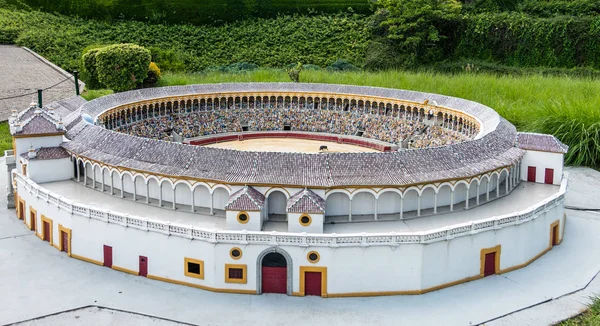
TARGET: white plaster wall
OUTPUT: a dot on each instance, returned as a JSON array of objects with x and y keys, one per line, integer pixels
[
  {"x": 254, "y": 222},
  {"x": 388, "y": 203},
  {"x": 337, "y": 204},
  {"x": 276, "y": 202},
  {"x": 50, "y": 170},
  {"x": 542, "y": 160},
  {"x": 22, "y": 145},
  {"x": 356, "y": 270},
  {"x": 363, "y": 203},
  {"x": 316, "y": 226}
]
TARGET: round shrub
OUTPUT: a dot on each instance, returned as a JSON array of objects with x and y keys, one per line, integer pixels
[
  {"x": 122, "y": 67},
  {"x": 89, "y": 73}
]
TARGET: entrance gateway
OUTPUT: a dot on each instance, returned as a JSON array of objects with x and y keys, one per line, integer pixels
[{"x": 274, "y": 273}]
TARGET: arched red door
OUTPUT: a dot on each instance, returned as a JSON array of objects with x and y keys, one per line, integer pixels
[{"x": 274, "y": 273}]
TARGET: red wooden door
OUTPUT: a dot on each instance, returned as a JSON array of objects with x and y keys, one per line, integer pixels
[
  {"x": 490, "y": 264},
  {"x": 549, "y": 178},
  {"x": 107, "y": 256},
  {"x": 46, "y": 231},
  {"x": 32, "y": 222},
  {"x": 65, "y": 241},
  {"x": 274, "y": 279},
  {"x": 531, "y": 174},
  {"x": 143, "y": 266},
  {"x": 555, "y": 235},
  {"x": 312, "y": 283},
  {"x": 21, "y": 211}
]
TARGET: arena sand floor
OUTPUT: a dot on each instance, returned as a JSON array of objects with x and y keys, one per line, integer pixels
[
  {"x": 291, "y": 145},
  {"x": 37, "y": 280}
]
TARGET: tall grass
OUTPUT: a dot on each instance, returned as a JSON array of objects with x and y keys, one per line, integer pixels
[{"x": 568, "y": 108}]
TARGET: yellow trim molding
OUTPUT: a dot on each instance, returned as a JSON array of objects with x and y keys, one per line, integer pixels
[
  {"x": 186, "y": 272},
  {"x": 497, "y": 249},
  {"x": 89, "y": 260},
  {"x": 50, "y": 222},
  {"x": 32, "y": 225},
  {"x": 235, "y": 257},
  {"x": 198, "y": 286},
  {"x": 124, "y": 270},
  {"x": 305, "y": 223},
  {"x": 60, "y": 238},
  {"x": 311, "y": 260},
  {"x": 322, "y": 270},
  {"x": 21, "y": 212},
  {"x": 558, "y": 235},
  {"x": 242, "y": 221},
  {"x": 242, "y": 280}
]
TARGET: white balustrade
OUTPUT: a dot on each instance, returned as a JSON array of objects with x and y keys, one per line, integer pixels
[{"x": 294, "y": 239}]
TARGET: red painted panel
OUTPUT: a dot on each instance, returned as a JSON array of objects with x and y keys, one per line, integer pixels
[
  {"x": 531, "y": 174},
  {"x": 143, "y": 266},
  {"x": 32, "y": 222},
  {"x": 312, "y": 283},
  {"x": 108, "y": 256},
  {"x": 46, "y": 230},
  {"x": 490, "y": 264},
  {"x": 274, "y": 280},
  {"x": 549, "y": 177},
  {"x": 65, "y": 241}
]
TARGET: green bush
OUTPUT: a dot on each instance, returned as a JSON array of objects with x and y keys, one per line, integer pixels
[
  {"x": 342, "y": 65},
  {"x": 154, "y": 75},
  {"x": 516, "y": 39},
  {"x": 192, "y": 11},
  {"x": 122, "y": 67},
  {"x": 266, "y": 42},
  {"x": 89, "y": 71}
]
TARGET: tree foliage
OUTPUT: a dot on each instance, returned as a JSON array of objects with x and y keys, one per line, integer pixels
[{"x": 418, "y": 25}]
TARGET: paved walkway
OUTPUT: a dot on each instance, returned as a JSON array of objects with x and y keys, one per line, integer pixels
[
  {"x": 37, "y": 280},
  {"x": 23, "y": 72}
]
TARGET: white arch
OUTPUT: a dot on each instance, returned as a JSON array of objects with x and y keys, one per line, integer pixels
[
  {"x": 407, "y": 190},
  {"x": 270, "y": 191},
  {"x": 336, "y": 191},
  {"x": 364, "y": 190},
  {"x": 468, "y": 185},
  {"x": 394, "y": 190},
  {"x": 201, "y": 184},
  {"x": 217, "y": 186}
]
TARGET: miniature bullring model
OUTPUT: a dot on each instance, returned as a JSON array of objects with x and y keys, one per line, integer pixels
[{"x": 453, "y": 194}]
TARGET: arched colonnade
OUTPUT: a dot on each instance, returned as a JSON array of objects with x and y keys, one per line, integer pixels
[
  {"x": 416, "y": 201},
  {"x": 152, "y": 190}
]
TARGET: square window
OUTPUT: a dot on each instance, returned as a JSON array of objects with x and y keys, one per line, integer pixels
[{"x": 194, "y": 268}]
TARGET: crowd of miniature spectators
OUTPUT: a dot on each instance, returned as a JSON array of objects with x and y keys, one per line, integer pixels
[{"x": 344, "y": 120}]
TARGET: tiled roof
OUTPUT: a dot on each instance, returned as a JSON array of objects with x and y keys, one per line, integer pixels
[
  {"x": 246, "y": 199},
  {"x": 541, "y": 142},
  {"x": 38, "y": 124},
  {"x": 48, "y": 153},
  {"x": 494, "y": 148},
  {"x": 306, "y": 201}
]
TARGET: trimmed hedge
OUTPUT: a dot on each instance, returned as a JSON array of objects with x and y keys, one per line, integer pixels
[
  {"x": 191, "y": 11},
  {"x": 521, "y": 40},
  {"x": 319, "y": 40},
  {"x": 121, "y": 67}
]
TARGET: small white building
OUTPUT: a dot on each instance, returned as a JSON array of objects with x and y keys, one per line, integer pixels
[{"x": 544, "y": 158}]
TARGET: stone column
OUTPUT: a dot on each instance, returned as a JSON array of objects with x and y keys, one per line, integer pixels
[
  {"x": 350, "y": 210},
  {"x": 174, "y": 197}
]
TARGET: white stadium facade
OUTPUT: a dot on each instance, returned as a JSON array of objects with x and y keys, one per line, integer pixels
[{"x": 448, "y": 191}]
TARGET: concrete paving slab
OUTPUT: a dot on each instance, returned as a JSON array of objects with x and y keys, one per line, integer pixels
[{"x": 585, "y": 192}]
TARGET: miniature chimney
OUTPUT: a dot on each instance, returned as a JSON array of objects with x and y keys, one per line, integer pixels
[{"x": 32, "y": 153}]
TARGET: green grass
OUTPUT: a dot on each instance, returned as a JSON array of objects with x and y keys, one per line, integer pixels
[
  {"x": 5, "y": 138},
  {"x": 590, "y": 317},
  {"x": 95, "y": 93},
  {"x": 565, "y": 107}
]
